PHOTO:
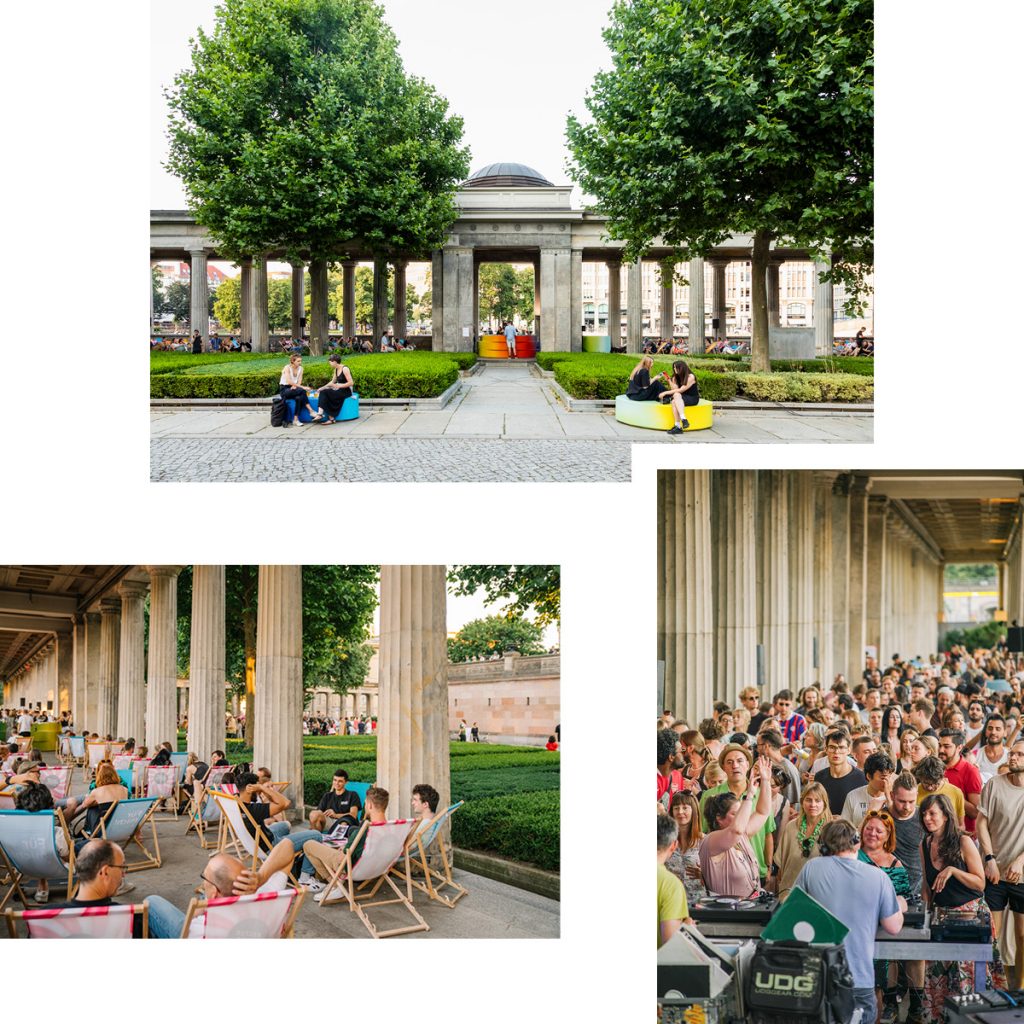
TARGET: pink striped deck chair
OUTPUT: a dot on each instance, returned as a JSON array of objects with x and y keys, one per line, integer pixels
[
  {"x": 386, "y": 842},
  {"x": 78, "y": 922},
  {"x": 235, "y": 833},
  {"x": 94, "y": 753},
  {"x": 434, "y": 881},
  {"x": 204, "y": 812},
  {"x": 262, "y": 915},
  {"x": 57, "y": 780},
  {"x": 162, "y": 783},
  {"x": 7, "y": 800},
  {"x": 122, "y": 762}
]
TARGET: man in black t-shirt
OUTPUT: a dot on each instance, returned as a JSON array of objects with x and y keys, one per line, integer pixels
[
  {"x": 337, "y": 803},
  {"x": 840, "y": 777},
  {"x": 100, "y": 868}
]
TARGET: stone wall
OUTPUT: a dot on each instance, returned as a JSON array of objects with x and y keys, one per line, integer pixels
[{"x": 512, "y": 700}]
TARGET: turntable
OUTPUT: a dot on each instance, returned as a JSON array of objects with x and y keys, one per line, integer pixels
[{"x": 730, "y": 910}]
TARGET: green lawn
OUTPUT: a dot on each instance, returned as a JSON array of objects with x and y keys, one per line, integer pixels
[{"x": 511, "y": 793}]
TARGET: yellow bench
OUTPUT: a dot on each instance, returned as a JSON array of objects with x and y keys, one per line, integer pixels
[{"x": 658, "y": 415}]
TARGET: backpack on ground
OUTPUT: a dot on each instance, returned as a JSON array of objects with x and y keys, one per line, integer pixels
[{"x": 278, "y": 412}]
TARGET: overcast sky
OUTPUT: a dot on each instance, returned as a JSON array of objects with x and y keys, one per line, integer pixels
[{"x": 512, "y": 72}]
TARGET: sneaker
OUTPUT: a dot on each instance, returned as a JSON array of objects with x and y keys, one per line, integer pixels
[
  {"x": 124, "y": 887},
  {"x": 42, "y": 896},
  {"x": 313, "y": 885},
  {"x": 686, "y": 424},
  {"x": 334, "y": 894},
  {"x": 890, "y": 1013},
  {"x": 674, "y": 430}
]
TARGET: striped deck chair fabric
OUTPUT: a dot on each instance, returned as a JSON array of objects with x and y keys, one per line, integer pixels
[
  {"x": 264, "y": 915},
  {"x": 114, "y": 922},
  {"x": 57, "y": 780}
]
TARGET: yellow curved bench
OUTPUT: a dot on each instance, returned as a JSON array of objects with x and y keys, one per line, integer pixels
[{"x": 658, "y": 415}]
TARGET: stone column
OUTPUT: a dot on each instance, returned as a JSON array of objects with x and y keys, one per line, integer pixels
[
  {"x": 206, "y": 662},
  {"x": 110, "y": 641},
  {"x": 733, "y": 493},
  {"x": 79, "y": 687},
  {"x": 536, "y": 299},
  {"x": 615, "y": 302},
  {"x": 773, "y": 576},
  {"x": 131, "y": 701},
  {"x": 412, "y": 740},
  {"x": 856, "y": 617},
  {"x": 576, "y": 301},
  {"x": 318, "y": 320},
  {"x": 199, "y": 296},
  {"x": 161, "y": 698},
  {"x": 666, "y": 315},
  {"x": 824, "y": 328},
  {"x": 260, "y": 321},
  {"x": 685, "y": 573},
  {"x": 635, "y": 307},
  {"x": 458, "y": 299},
  {"x": 840, "y": 572},
  {"x": 93, "y": 645},
  {"x": 279, "y": 697},
  {"x": 380, "y": 298},
  {"x": 801, "y": 579},
  {"x": 772, "y": 284},
  {"x": 718, "y": 308},
  {"x": 476, "y": 297},
  {"x": 245, "y": 298},
  {"x": 400, "y": 310},
  {"x": 824, "y": 593},
  {"x": 696, "y": 344},
  {"x": 348, "y": 290},
  {"x": 556, "y": 299},
  {"x": 65, "y": 653},
  {"x": 298, "y": 298},
  {"x": 876, "y": 628}
]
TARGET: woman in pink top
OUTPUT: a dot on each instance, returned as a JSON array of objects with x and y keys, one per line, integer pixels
[{"x": 728, "y": 863}]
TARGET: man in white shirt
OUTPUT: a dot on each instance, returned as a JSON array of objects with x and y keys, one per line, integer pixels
[
  {"x": 992, "y": 756},
  {"x": 510, "y": 339},
  {"x": 878, "y": 769}
]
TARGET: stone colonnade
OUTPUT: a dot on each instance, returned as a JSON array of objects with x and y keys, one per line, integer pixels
[
  {"x": 1011, "y": 576},
  {"x": 345, "y": 705},
  {"x": 784, "y": 578}
]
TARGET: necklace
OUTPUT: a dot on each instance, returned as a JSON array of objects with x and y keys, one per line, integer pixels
[{"x": 807, "y": 841}]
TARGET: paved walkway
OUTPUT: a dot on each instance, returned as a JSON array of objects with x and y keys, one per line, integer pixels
[
  {"x": 504, "y": 424},
  {"x": 490, "y": 910}
]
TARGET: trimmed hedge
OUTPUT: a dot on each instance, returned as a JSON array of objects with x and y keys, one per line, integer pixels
[
  {"x": 805, "y": 387},
  {"x": 383, "y": 375},
  {"x": 524, "y": 827},
  {"x": 605, "y": 376}
]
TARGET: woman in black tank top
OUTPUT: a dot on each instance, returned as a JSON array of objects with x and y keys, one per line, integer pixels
[{"x": 954, "y": 877}]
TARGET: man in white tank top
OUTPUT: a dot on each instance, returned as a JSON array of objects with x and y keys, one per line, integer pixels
[{"x": 993, "y": 754}]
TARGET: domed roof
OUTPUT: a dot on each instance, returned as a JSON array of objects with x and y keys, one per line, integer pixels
[{"x": 506, "y": 176}]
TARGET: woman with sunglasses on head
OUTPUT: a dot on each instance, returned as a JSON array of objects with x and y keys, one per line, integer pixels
[
  {"x": 798, "y": 841},
  {"x": 954, "y": 878}
]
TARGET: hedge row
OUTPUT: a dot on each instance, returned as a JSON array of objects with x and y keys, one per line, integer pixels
[
  {"x": 597, "y": 378},
  {"x": 805, "y": 387},
  {"x": 391, "y": 375},
  {"x": 859, "y": 365},
  {"x": 523, "y": 827}
]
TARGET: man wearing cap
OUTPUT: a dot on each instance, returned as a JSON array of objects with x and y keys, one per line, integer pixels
[{"x": 738, "y": 762}]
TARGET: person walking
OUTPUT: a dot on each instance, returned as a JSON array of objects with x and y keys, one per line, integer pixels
[{"x": 510, "y": 339}]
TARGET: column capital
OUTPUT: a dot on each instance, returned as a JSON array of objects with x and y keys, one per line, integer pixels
[
  {"x": 349, "y": 264},
  {"x": 826, "y": 478},
  {"x": 200, "y": 252},
  {"x": 860, "y": 485},
  {"x": 718, "y": 261},
  {"x": 130, "y": 590},
  {"x": 775, "y": 261},
  {"x": 400, "y": 263},
  {"x": 164, "y": 570},
  {"x": 245, "y": 262},
  {"x": 110, "y": 606},
  {"x": 297, "y": 264},
  {"x": 877, "y": 504},
  {"x": 616, "y": 263}
]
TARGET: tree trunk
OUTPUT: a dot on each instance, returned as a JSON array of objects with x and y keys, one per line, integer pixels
[
  {"x": 760, "y": 361},
  {"x": 317, "y": 308},
  {"x": 380, "y": 297}
]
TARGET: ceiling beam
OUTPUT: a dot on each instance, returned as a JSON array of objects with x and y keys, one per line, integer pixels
[
  {"x": 33, "y": 623},
  {"x": 37, "y": 604}
]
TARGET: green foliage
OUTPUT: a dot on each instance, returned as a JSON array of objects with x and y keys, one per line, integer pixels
[
  {"x": 986, "y": 636},
  {"x": 382, "y": 375},
  {"x": 505, "y": 293},
  {"x": 719, "y": 117},
  {"x": 227, "y": 308},
  {"x": 496, "y": 633},
  {"x": 523, "y": 586},
  {"x": 157, "y": 283},
  {"x": 805, "y": 387},
  {"x": 971, "y": 575},
  {"x": 523, "y": 828},
  {"x": 178, "y": 300},
  {"x": 297, "y": 128},
  {"x": 279, "y": 304},
  {"x": 603, "y": 376}
]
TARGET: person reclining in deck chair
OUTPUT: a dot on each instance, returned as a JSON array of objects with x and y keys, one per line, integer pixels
[
  {"x": 424, "y": 806},
  {"x": 100, "y": 870},
  {"x": 337, "y": 804},
  {"x": 269, "y": 833},
  {"x": 324, "y": 858},
  {"x": 33, "y": 797},
  {"x": 223, "y": 875}
]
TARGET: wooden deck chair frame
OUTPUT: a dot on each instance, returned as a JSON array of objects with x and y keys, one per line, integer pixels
[
  {"x": 197, "y": 906},
  {"x": 14, "y": 876},
  {"x": 360, "y": 901},
  {"x": 199, "y": 800},
  {"x": 150, "y": 858},
  {"x": 431, "y": 875},
  {"x": 14, "y": 916},
  {"x": 229, "y": 835}
]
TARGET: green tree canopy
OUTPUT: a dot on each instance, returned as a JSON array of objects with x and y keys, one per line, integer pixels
[
  {"x": 495, "y": 634},
  {"x": 505, "y": 293},
  {"x": 279, "y": 304},
  {"x": 296, "y": 128},
  {"x": 158, "y": 290},
  {"x": 227, "y": 308},
  {"x": 724, "y": 117},
  {"x": 971, "y": 575},
  {"x": 525, "y": 587}
]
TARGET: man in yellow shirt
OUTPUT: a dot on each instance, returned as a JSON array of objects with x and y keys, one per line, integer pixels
[
  {"x": 931, "y": 778},
  {"x": 672, "y": 908}
]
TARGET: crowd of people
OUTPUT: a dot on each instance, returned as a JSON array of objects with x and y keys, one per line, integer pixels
[{"x": 906, "y": 785}]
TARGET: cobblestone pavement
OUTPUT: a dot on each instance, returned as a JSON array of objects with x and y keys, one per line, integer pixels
[{"x": 504, "y": 424}]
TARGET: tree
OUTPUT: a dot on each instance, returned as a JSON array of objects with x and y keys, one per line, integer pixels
[
  {"x": 736, "y": 116},
  {"x": 227, "y": 309},
  {"x": 157, "y": 300},
  {"x": 364, "y": 295},
  {"x": 971, "y": 575},
  {"x": 178, "y": 300},
  {"x": 338, "y": 602},
  {"x": 526, "y": 587},
  {"x": 411, "y": 300},
  {"x": 279, "y": 304},
  {"x": 297, "y": 129},
  {"x": 496, "y": 633}
]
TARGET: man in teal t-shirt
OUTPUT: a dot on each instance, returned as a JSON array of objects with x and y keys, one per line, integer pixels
[{"x": 736, "y": 761}]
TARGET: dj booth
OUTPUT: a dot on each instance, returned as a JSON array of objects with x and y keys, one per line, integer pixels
[{"x": 707, "y": 966}]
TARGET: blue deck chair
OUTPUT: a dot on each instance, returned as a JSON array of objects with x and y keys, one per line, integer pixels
[
  {"x": 180, "y": 758},
  {"x": 124, "y": 823},
  {"x": 360, "y": 788},
  {"x": 77, "y": 746},
  {"x": 202, "y": 811},
  {"x": 419, "y": 844},
  {"x": 28, "y": 846}
]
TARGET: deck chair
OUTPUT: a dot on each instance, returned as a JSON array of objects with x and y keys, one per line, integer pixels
[
  {"x": 78, "y": 922},
  {"x": 28, "y": 846},
  {"x": 234, "y": 832},
  {"x": 203, "y": 811},
  {"x": 124, "y": 823},
  {"x": 162, "y": 783},
  {"x": 57, "y": 780},
  {"x": 180, "y": 758},
  {"x": 7, "y": 800},
  {"x": 418, "y": 846},
  {"x": 122, "y": 762},
  {"x": 76, "y": 750},
  {"x": 94, "y": 753},
  {"x": 64, "y": 748},
  {"x": 385, "y": 843},
  {"x": 261, "y": 915}
]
